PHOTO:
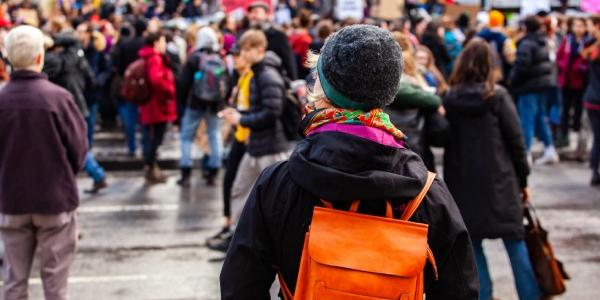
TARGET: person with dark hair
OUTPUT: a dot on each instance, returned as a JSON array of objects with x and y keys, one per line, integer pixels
[
  {"x": 162, "y": 106},
  {"x": 531, "y": 78},
  {"x": 592, "y": 93},
  {"x": 277, "y": 41},
  {"x": 433, "y": 38},
  {"x": 124, "y": 53},
  {"x": 324, "y": 30},
  {"x": 488, "y": 187},
  {"x": 351, "y": 151},
  {"x": 572, "y": 77},
  {"x": 300, "y": 41}
]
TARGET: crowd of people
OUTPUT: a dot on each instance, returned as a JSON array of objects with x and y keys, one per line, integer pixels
[{"x": 483, "y": 89}]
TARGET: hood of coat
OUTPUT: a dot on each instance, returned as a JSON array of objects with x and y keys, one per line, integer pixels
[
  {"x": 467, "y": 99},
  {"x": 147, "y": 52},
  {"x": 340, "y": 167},
  {"x": 206, "y": 39}
]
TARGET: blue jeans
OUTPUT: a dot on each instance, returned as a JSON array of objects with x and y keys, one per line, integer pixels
[
  {"x": 527, "y": 285},
  {"x": 91, "y": 122},
  {"x": 532, "y": 111},
  {"x": 129, "y": 116},
  {"x": 91, "y": 166},
  {"x": 189, "y": 126}
]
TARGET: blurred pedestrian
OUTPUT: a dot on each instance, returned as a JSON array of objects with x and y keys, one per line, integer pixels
[
  {"x": 485, "y": 165},
  {"x": 592, "y": 94},
  {"x": 259, "y": 18},
  {"x": 124, "y": 53},
  {"x": 433, "y": 38},
  {"x": 38, "y": 189},
  {"x": 266, "y": 140},
  {"x": 300, "y": 41},
  {"x": 572, "y": 78},
  {"x": 161, "y": 109},
  {"x": 351, "y": 151},
  {"x": 203, "y": 63},
  {"x": 241, "y": 102},
  {"x": 531, "y": 78},
  {"x": 66, "y": 66}
]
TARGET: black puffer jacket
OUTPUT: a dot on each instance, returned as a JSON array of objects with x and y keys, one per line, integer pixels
[
  {"x": 67, "y": 67},
  {"x": 267, "y": 90},
  {"x": 485, "y": 164},
  {"x": 533, "y": 70},
  {"x": 341, "y": 167}
]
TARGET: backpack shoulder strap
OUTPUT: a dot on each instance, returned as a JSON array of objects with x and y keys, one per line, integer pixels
[{"x": 414, "y": 204}]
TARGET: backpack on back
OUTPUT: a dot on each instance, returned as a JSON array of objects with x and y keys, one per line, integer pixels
[
  {"x": 136, "y": 86},
  {"x": 210, "y": 80},
  {"x": 354, "y": 256}
]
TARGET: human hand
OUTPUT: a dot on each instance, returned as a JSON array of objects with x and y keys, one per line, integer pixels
[
  {"x": 230, "y": 115},
  {"x": 525, "y": 195}
]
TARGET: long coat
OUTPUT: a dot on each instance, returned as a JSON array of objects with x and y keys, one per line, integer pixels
[
  {"x": 485, "y": 163},
  {"x": 162, "y": 106}
]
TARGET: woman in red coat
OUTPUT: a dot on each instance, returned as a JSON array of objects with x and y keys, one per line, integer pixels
[{"x": 162, "y": 107}]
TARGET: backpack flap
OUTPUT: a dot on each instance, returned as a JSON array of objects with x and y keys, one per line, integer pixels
[{"x": 367, "y": 243}]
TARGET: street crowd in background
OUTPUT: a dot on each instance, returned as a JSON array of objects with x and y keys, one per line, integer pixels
[{"x": 482, "y": 87}]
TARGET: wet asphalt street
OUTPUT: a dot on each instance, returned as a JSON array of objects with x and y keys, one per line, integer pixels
[{"x": 142, "y": 242}]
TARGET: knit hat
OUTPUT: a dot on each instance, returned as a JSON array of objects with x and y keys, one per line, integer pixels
[{"x": 360, "y": 67}]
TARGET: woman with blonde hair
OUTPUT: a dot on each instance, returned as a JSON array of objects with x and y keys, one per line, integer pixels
[{"x": 430, "y": 72}]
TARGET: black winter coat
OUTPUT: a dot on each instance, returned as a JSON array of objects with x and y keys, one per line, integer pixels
[
  {"x": 532, "y": 70},
  {"x": 267, "y": 90},
  {"x": 340, "y": 168},
  {"x": 485, "y": 164},
  {"x": 67, "y": 67}
]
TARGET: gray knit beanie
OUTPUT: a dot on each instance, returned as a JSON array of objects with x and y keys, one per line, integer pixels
[{"x": 360, "y": 67}]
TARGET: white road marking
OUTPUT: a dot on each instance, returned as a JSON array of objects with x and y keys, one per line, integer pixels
[
  {"x": 98, "y": 279},
  {"x": 123, "y": 208}
]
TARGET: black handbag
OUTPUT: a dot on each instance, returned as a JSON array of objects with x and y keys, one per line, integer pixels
[{"x": 549, "y": 271}]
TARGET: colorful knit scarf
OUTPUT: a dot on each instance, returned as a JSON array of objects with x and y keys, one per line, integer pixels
[{"x": 375, "y": 118}]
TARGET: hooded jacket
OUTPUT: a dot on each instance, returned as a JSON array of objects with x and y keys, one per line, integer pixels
[
  {"x": 67, "y": 67},
  {"x": 340, "y": 167},
  {"x": 267, "y": 90},
  {"x": 532, "y": 71},
  {"x": 485, "y": 164}
]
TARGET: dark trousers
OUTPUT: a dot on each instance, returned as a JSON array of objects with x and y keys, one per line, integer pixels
[
  {"x": 233, "y": 162},
  {"x": 594, "y": 117},
  {"x": 572, "y": 99},
  {"x": 153, "y": 138}
]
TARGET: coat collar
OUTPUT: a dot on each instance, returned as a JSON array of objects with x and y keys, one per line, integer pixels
[{"x": 26, "y": 74}]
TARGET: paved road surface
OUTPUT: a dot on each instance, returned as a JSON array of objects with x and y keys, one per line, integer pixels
[{"x": 146, "y": 243}]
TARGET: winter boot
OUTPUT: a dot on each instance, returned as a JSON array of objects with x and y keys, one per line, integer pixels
[
  {"x": 186, "y": 177},
  {"x": 595, "y": 178},
  {"x": 154, "y": 175},
  {"x": 211, "y": 176},
  {"x": 98, "y": 185}
]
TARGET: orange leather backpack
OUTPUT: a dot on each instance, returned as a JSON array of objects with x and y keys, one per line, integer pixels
[{"x": 354, "y": 256}]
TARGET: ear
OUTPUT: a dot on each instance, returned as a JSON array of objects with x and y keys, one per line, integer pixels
[{"x": 39, "y": 59}]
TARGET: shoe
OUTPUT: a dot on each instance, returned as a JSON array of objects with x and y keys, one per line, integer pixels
[
  {"x": 221, "y": 235},
  {"x": 595, "y": 178},
  {"x": 98, "y": 185},
  {"x": 221, "y": 244},
  {"x": 186, "y": 177},
  {"x": 211, "y": 176},
  {"x": 154, "y": 175},
  {"x": 550, "y": 157}
]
